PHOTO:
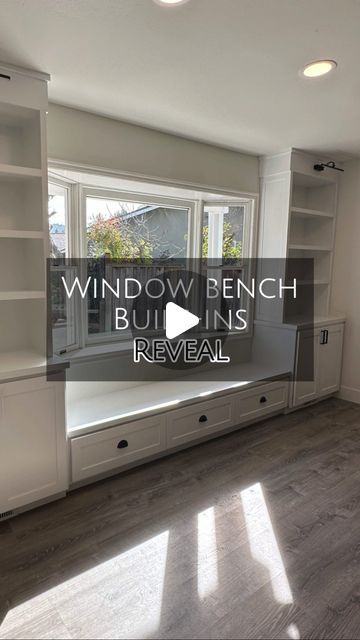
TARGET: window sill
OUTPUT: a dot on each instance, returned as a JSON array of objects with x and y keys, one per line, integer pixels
[{"x": 125, "y": 348}]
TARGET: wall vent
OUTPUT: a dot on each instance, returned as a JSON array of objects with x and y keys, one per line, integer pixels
[{"x": 6, "y": 514}]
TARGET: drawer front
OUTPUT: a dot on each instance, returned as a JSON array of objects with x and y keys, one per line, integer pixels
[
  {"x": 199, "y": 420},
  {"x": 113, "y": 448},
  {"x": 265, "y": 399}
]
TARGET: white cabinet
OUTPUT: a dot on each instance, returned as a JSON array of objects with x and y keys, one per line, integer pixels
[
  {"x": 33, "y": 459},
  {"x": 318, "y": 363},
  {"x": 330, "y": 348}
]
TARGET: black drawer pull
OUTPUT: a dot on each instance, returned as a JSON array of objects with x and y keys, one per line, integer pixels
[
  {"x": 123, "y": 444},
  {"x": 203, "y": 418},
  {"x": 263, "y": 399},
  {"x": 3, "y": 75}
]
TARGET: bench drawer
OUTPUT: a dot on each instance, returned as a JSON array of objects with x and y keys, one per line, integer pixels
[
  {"x": 261, "y": 401},
  {"x": 190, "y": 423},
  {"x": 113, "y": 448}
]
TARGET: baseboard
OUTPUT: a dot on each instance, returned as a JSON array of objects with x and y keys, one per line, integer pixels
[
  {"x": 6, "y": 515},
  {"x": 349, "y": 393}
]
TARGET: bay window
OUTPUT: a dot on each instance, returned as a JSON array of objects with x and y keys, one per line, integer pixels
[{"x": 107, "y": 226}]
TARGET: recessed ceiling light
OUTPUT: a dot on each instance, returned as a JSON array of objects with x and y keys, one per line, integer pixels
[
  {"x": 318, "y": 68},
  {"x": 171, "y": 2}
]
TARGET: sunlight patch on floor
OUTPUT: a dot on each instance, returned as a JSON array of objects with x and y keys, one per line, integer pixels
[
  {"x": 293, "y": 632},
  {"x": 208, "y": 580},
  {"x": 123, "y": 594},
  {"x": 263, "y": 544}
]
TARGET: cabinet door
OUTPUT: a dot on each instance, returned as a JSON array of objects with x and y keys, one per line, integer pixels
[
  {"x": 33, "y": 462},
  {"x": 330, "y": 357},
  {"x": 306, "y": 367}
]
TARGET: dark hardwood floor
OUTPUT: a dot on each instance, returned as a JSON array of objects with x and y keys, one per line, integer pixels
[{"x": 253, "y": 535}]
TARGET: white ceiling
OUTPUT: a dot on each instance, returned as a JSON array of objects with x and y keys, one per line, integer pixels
[{"x": 221, "y": 71}]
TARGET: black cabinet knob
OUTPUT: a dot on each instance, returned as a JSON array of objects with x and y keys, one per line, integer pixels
[
  {"x": 203, "y": 418},
  {"x": 263, "y": 399},
  {"x": 123, "y": 444}
]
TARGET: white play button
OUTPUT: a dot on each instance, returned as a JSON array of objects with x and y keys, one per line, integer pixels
[{"x": 178, "y": 320}]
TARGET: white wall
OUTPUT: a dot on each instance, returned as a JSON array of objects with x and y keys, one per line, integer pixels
[
  {"x": 84, "y": 138},
  {"x": 346, "y": 283}
]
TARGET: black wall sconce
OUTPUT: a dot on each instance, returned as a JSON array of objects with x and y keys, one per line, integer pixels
[{"x": 321, "y": 166}]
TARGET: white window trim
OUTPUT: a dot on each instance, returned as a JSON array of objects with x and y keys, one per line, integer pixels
[
  {"x": 249, "y": 241},
  {"x": 127, "y": 196},
  {"x": 77, "y": 220},
  {"x": 114, "y": 194},
  {"x": 73, "y": 306},
  {"x": 70, "y": 237},
  {"x": 64, "y": 185}
]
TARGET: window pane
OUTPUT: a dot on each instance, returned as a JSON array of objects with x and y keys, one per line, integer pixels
[
  {"x": 223, "y": 232},
  {"x": 131, "y": 230},
  {"x": 223, "y": 243},
  {"x": 63, "y": 309},
  {"x": 57, "y": 221}
]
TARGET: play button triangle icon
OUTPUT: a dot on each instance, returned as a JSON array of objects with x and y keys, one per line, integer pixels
[{"x": 178, "y": 320}]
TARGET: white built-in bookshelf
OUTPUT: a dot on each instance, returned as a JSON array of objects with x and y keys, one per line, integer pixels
[
  {"x": 298, "y": 218},
  {"x": 312, "y": 231},
  {"x": 23, "y": 219}
]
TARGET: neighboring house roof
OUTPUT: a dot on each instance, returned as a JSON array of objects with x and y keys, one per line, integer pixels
[
  {"x": 147, "y": 208},
  {"x": 59, "y": 241},
  {"x": 134, "y": 214}
]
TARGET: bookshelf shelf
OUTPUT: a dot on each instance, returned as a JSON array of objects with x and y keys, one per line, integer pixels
[
  {"x": 22, "y": 295},
  {"x": 303, "y": 212},
  {"x": 316, "y": 283},
  {"x": 18, "y": 172},
  {"x": 20, "y": 234},
  {"x": 308, "y": 247}
]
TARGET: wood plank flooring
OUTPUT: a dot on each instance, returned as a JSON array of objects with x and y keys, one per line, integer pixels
[{"x": 253, "y": 535}]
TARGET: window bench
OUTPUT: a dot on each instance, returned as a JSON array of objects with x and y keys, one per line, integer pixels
[{"x": 114, "y": 430}]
